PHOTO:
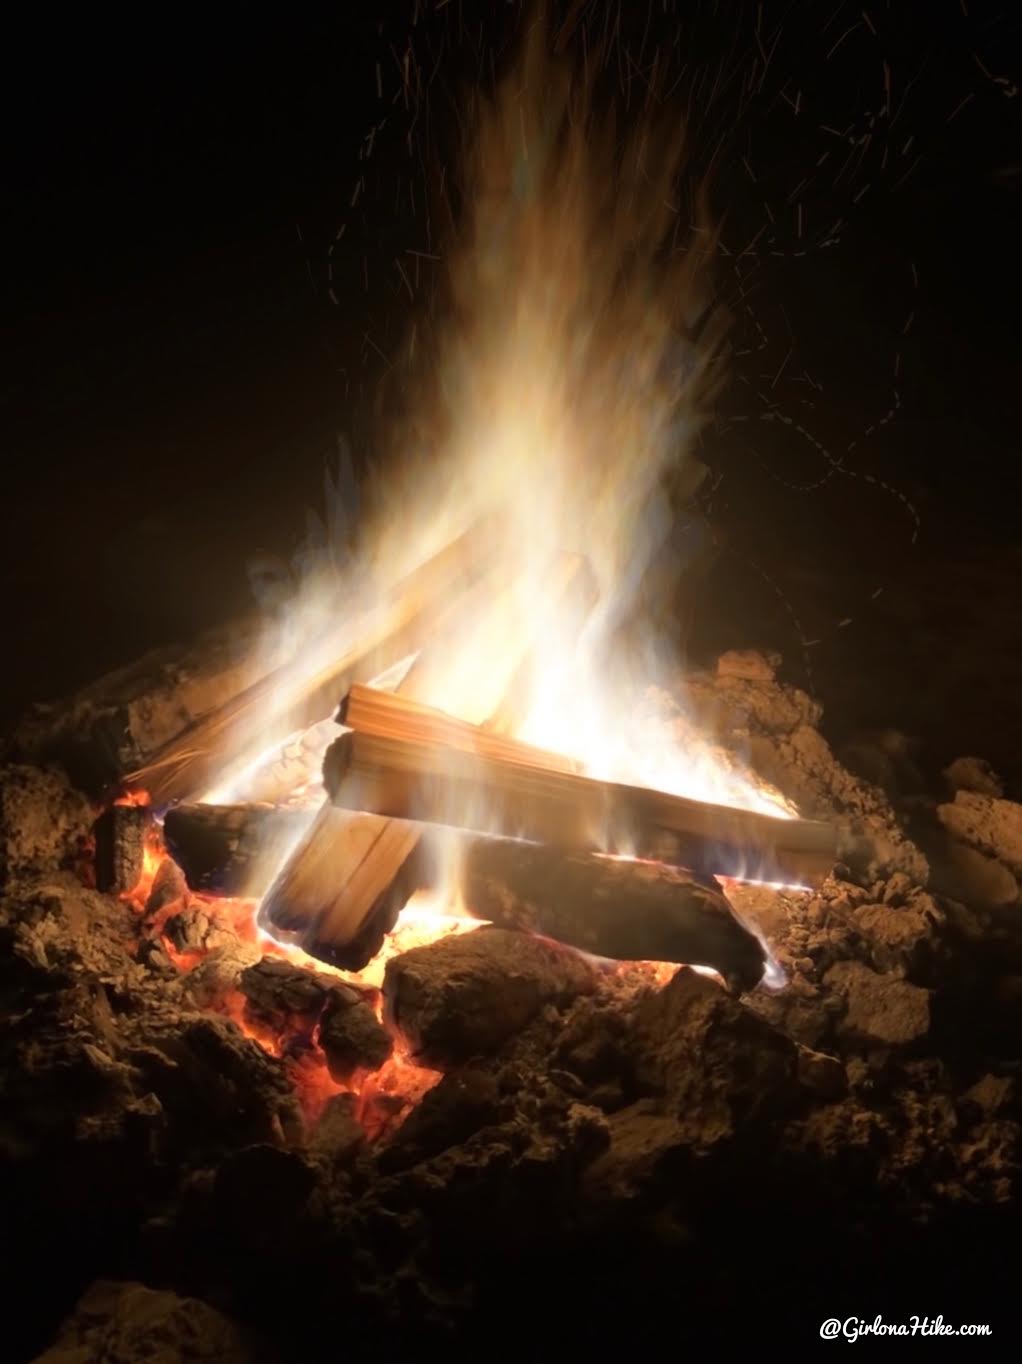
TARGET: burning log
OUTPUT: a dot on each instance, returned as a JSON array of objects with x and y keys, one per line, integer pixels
[
  {"x": 343, "y": 887},
  {"x": 440, "y": 784},
  {"x": 300, "y": 694},
  {"x": 229, "y": 849},
  {"x": 610, "y": 907},
  {"x": 390, "y": 716},
  {"x": 120, "y": 847},
  {"x": 341, "y": 890}
]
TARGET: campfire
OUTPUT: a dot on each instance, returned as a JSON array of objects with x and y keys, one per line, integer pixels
[
  {"x": 439, "y": 939},
  {"x": 390, "y": 824}
]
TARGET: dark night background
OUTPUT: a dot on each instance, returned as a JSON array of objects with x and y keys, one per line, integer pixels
[{"x": 175, "y": 374}]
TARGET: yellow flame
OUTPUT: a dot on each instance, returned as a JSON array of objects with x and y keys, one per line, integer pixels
[{"x": 572, "y": 373}]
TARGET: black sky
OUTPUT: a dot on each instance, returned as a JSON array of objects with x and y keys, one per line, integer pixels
[{"x": 175, "y": 373}]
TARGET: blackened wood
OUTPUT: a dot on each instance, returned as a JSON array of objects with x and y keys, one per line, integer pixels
[
  {"x": 440, "y": 784},
  {"x": 229, "y": 849},
  {"x": 611, "y": 907},
  {"x": 120, "y": 847},
  {"x": 352, "y": 1038}
]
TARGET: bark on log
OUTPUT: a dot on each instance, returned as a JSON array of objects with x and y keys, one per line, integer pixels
[
  {"x": 230, "y": 849},
  {"x": 302, "y": 693},
  {"x": 464, "y": 996},
  {"x": 442, "y": 785},
  {"x": 120, "y": 847},
  {"x": 616, "y": 908}
]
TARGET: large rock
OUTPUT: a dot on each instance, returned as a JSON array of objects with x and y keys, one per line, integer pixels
[
  {"x": 464, "y": 996},
  {"x": 880, "y": 1008},
  {"x": 127, "y": 1323},
  {"x": 979, "y": 880},
  {"x": 973, "y": 774},
  {"x": 43, "y": 822},
  {"x": 986, "y": 823}
]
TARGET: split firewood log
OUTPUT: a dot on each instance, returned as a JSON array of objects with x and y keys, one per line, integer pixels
[
  {"x": 441, "y": 784},
  {"x": 341, "y": 890}
]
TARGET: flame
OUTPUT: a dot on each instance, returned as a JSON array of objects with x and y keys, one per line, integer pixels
[{"x": 572, "y": 373}]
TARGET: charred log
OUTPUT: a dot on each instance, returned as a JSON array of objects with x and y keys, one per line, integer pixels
[
  {"x": 621, "y": 909},
  {"x": 120, "y": 847},
  {"x": 229, "y": 849}
]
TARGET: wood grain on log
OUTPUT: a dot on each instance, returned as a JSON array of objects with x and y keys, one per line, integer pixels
[
  {"x": 341, "y": 890},
  {"x": 612, "y": 907},
  {"x": 393, "y": 716},
  {"x": 440, "y": 784},
  {"x": 302, "y": 693}
]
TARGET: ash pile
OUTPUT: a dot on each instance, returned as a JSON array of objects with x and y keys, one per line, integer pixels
[{"x": 220, "y": 1152}]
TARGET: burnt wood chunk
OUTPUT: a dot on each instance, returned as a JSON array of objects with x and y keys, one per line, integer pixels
[
  {"x": 230, "y": 849},
  {"x": 352, "y": 1038},
  {"x": 464, "y": 996},
  {"x": 278, "y": 992},
  {"x": 120, "y": 847},
  {"x": 611, "y": 907},
  {"x": 121, "y": 720}
]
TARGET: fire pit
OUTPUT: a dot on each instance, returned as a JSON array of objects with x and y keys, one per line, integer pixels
[
  {"x": 442, "y": 964},
  {"x": 228, "y": 1116}
]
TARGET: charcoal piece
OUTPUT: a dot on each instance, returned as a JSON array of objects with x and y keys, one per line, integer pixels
[
  {"x": 43, "y": 822},
  {"x": 187, "y": 930},
  {"x": 352, "y": 1037},
  {"x": 168, "y": 886},
  {"x": 879, "y": 1008},
  {"x": 464, "y": 996},
  {"x": 279, "y": 992},
  {"x": 462, "y": 1103},
  {"x": 339, "y": 1135},
  {"x": 120, "y": 847},
  {"x": 714, "y": 1064}
]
